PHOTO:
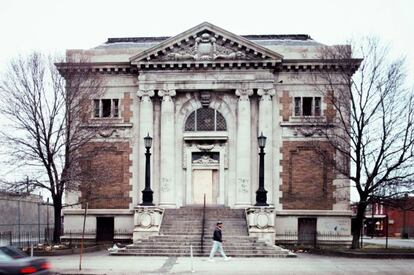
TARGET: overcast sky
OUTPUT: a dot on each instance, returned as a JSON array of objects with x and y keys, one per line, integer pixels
[{"x": 55, "y": 25}]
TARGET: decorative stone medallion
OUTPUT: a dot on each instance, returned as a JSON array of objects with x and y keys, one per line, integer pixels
[
  {"x": 145, "y": 220},
  {"x": 262, "y": 220}
]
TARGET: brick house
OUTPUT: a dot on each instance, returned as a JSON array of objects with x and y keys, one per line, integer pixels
[
  {"x": 400, "y": 215},
  {"x": 204, "y": 96}
]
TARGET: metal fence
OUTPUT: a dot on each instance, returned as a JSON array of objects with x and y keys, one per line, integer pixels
[
  {"x": 26, "y": 238},
  {"x": 312, "y": 238}
]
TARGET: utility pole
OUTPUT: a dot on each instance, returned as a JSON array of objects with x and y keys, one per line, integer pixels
[
  {"x": 83, "y": 236},
  {"x": 18, "y": 220}
]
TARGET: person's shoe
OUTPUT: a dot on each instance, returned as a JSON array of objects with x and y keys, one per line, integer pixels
[
  {"x": 227, "y": 258},
  {"x": 210, "y": 260}
]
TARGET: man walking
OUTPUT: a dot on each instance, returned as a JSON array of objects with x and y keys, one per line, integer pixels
[{"x": 217, "y": 243}]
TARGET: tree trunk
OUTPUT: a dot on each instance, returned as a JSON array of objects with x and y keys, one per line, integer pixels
[
  {"x": 57, "y": 206},
  {"x": 356, "y": 234}
]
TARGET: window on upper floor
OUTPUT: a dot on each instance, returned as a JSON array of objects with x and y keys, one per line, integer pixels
[
  {"x": 307, "y": 106},
  {"x": 205, "y": 119},
  {"x": 106, "y": 108}
]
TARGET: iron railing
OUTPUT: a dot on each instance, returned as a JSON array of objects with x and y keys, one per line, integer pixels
[
  {"x": 26, "y": 238},
  {"x": 311, "y": 238},
  {"x": 203, "y": 224}
]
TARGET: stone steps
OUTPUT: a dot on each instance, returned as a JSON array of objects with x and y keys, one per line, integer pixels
[
  {"x": 169, "y": 254},
  {"x": 182, "y": 228}
]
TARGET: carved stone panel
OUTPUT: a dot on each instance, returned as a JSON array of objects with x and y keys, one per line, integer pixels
[{"x": 205, "y": 48}]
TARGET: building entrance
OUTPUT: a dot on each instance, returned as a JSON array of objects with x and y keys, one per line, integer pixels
[{"x": 205, "y": 182}]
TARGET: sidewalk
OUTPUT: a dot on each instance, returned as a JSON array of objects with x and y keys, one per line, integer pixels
[
  {"x": 101, "y": 263},
  {"x": 392, "y": 242}
]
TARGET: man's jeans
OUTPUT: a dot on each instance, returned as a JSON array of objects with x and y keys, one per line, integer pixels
[{"x": 217, "y": 246}]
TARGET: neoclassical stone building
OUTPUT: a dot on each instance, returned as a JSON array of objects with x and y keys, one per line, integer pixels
[{"x": 204, "y": 96}]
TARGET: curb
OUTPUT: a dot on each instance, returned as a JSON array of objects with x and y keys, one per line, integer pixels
[{"x": 372, "y": 255}]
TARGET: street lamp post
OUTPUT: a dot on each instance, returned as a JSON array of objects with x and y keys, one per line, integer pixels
[
  {"x": 147, "y": 192},
  {"x": 261, "y": 193}
]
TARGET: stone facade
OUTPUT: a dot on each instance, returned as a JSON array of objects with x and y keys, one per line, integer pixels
[{"x": 204, "y": 96}]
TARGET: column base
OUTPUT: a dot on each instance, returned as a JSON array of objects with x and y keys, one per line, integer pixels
[
  {"x": 147, "y": 221},
  {"x": 261, "y": 223}
]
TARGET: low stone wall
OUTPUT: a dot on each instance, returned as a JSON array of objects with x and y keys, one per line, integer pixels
[{"x": 68, "y": 251}]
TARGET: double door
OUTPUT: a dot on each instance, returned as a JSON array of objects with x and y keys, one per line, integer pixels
[{"x": 205, "y": 182}]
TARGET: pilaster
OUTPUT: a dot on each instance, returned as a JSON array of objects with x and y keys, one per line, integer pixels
[
  {"x": 145, "y": 127},
  {"x": 266, "y": 127},
  {"x": 243, "y": 153},
  {"x": 167, "y": 182}
]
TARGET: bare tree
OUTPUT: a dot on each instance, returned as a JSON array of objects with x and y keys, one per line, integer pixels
[
  {"x": 47, "y": 115},
  {"x": 372, "y": 131}
]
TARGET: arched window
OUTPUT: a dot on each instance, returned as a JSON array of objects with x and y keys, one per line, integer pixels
[{"x": 205, "y": 119}]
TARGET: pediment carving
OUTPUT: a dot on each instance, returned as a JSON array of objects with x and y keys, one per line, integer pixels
[
  {"x": 205, "y": 48},
  {"x": 205, "y": 43},
  {"x": 205, "y": 160}
]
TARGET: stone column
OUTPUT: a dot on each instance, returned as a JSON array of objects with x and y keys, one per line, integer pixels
[
  {"x": 146, "y": 126},
  {"x": 243, "y": 155},
  {"x": 167, "y": 184},
  {"x": 266, "y": 126}
]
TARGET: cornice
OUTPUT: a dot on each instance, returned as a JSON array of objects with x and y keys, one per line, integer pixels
[
  {"x": 285, "y": 65},
  {"x": 296, "y": 65},
  {"x": 97, "y": 67}
]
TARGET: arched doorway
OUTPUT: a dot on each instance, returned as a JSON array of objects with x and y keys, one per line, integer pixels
[{"x": 206, "y": 130}]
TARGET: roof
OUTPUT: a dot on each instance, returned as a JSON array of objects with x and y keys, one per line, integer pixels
[
  {"x": 261, "y": 39},
  {"x": 270, "y": 46}
]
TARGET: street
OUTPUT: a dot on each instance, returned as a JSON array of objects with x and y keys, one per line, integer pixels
[{"x": 101, "y": 263}]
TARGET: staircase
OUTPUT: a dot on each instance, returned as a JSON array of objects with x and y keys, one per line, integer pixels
[{"x": 182, "y": 228}]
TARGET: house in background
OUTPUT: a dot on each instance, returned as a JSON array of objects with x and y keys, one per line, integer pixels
[{"x": 400, "y": 215}]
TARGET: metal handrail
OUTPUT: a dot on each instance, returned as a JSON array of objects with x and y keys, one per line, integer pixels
[{"x": 203, "y": 224}]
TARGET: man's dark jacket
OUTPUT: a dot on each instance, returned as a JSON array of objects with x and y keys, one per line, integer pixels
[{"x": 217, "y": 234}]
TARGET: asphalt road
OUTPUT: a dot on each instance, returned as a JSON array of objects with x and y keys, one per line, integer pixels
[{"x": 101, "y": 263}]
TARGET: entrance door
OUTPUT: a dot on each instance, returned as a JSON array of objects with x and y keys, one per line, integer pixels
[
  {"x": 202, "y": 184},
  {"x": 105, "y": 228},
  {"x": 307, "y": 230}
]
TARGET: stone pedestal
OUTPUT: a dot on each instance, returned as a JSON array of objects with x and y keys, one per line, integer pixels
[
  {"x": 147, "y": 222},
  {"x": 261, "y": 223}
]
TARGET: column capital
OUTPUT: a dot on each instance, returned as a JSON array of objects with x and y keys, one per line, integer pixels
[
  {"x": 266, "y": 94},
  {"x": 166, "y": 94},
  {"x": 145, "y": 94},
  {"x": 244, "y": 94}
]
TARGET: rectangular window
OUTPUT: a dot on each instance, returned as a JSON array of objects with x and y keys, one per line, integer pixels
[
  {"x": 297, "y": 106},
  {"x": 307, "y": 106},
  {"x": 96, "y": 108},
  {"x": 116, "y": 107},
  {"x": 106, "y": 108},
  {"x": 317, "y": 106}
]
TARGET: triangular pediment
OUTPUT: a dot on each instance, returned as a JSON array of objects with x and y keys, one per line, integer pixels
[{"x": 206, "y": 44}]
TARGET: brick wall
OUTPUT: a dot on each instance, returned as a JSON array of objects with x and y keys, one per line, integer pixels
[
  {"x": 106, "y": 168},
  {"x": 285, "y": 102},
  {"x": 329, "y": 112},
  {"x": 126, "y": 102},
  {"x": 307, "y": 178}
]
